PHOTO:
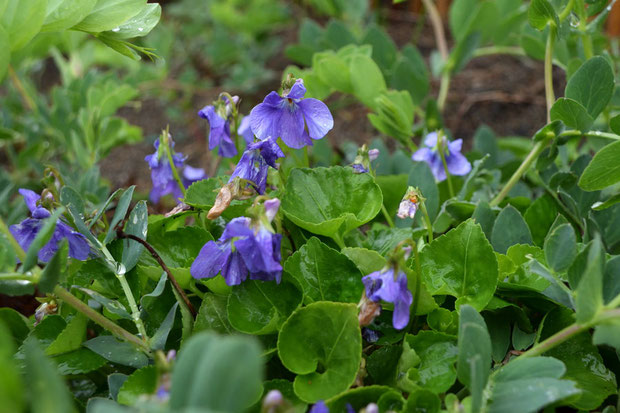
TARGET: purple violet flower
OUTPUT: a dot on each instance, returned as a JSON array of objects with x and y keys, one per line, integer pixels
[
  {"x": 26, "y": 231},
  {"x": 381, "y": 285},
  {"x": 358, "y": 168},
  {"x": 162, "y": 176},
  {"x": 319, "y": 407},
  {"x": 241, "y": 251},
  {"x": 457, "y": 163},
  {"x": 284, "y": 117},
  {"x": 245, "y": 131},
  {"x": 219, "y": 127},
  {"x": 255, "y": 162}
]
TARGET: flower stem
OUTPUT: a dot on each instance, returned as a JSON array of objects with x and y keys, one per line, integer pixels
[
  {"x": 168, "y": 150},
  {"x": 28, "y": 102},
  {"x": 443, "y": 91},
  {"x": 427, "y": 221},
  {"x": 445, "y": 168},
  {"x": 549, "y": 94},
  {"x": 418, "y": 279},
  {"x": 566, "y": 12},
  {"x": 440, "y": 36},
  {"x": 527, "y": 162},
  {"x": 120, "y": 275},
  {"x": 338, "y": 240},
  {"x": 387, "y": 216},
  {"x": 109, "y": 325},
  {"x": 16, "y": 276}
]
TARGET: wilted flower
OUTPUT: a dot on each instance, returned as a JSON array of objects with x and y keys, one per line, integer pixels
[
  {"x": 383, "y": 285},
  {"x": 255, "y": 162},
  {"x": 26, "y": 231},
  {"x": 456, "y": 162},
  {"x": 245, "y": 248},
  {"x": 361, "y": 164},
  {"x": 409, "y": 204},
  {"x": 219, "y": 115},
  {"x": 284, "y": 117},
  {"x": 162, "y": 176}
]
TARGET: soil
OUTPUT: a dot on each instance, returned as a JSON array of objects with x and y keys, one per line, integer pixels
[{"x": 504, "y": 92}]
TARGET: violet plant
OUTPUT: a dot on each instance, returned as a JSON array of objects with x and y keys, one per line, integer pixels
[{"x": 414, "y": 276}]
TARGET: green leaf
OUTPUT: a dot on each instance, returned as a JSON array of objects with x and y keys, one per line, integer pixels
[
  {"x": 109, "y": 14},
  {"x": 383, "y": 47},
  {"x": 572, "y": 114},
  {"x": 541, "y": 13},
  {"x": 64, "y": 14},
  {"x": 539, "y": 375},
  {"x": 119, "y": 214},
  {"x": 330, "y": 201},
  {"x": 324, "y": 274},
  {"x": 22, "y": 20},
  {"x": 80, "y": 361},
  {"x": 411, "y": 74},
  {"x": 509, "y": 229},
  {"x": 603, "y": 170},
  {"x": 366, "y": 260},
  {"x": 158, "y": 340},
  {"x": 258, "y": 307},
  {"x": 12, "y": 394},
  {"x": 136, "y": 225},
  {"x": 322, "y": 344},
  {"x": 593, "y": 378},
  {"x": 438, "y": 354},
  {"x": 614, "y": 123},
  {"x": 212, "y": 315},
  {"x": 70, "y": 338},
  {"x": 366, "y": 79},
  {"x": 589, "y": 300},
  {"x": 54, "y": 269},
  {"x": 484, "y": 215},
  {"x": 139, "y": 25},
  {"x": 332, "y": 70},
  {"x": 607, "y": 333},
  {"x": 561, "y": 247},
  {"x": 463, "y": 52},
  {"x": 592, "y": 85},
  {"x": 43, "y": 381},
  {"x": 113, "y": 306},
  {"x": 116, "y": 351},
  {"x": 540, "y": 216},
  {"x": 202, "y": 194},
  {"x": 357, "y": 398},
  {"x": 474, "y": 354},
  {"x": 5, "y": 52},
  {"x": 142, "y": 381},
  {"x": 461, "y": 263},
  {"x": 216, "y": 373},
  {"x": 43, "y": 236},
  {"x": 16, "y": 324}
]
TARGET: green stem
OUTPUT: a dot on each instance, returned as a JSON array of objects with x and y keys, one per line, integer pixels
[
  {"x": 591, "y": 134},
  {"x": 338, "y": 239},
  {"x": 443, "y": 91},
  {"x": 418, "y": 279},
  {"x": 427, "y": 222},
  {"x": 445, "y": 168},
  {"x": 527, "y": 162},
  {"x": 9, "y": 276},
  {"x": 112, "y": 327},
  {"x": 175, "y": 173},
  {"x": 120, "y": 275},
  {"x": 21, "y": 254},
  {"x": 549, "y": 94},
  {"x": 28, "y": 102},
  {"x": 387, "y": 216},
  {"x": 491, "y": 50},
  {"x": 306, "y": 157},
  {"x": 556, "y": 339},
  {"x": 566, "y": 12}
]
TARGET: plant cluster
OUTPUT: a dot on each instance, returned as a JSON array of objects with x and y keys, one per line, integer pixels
[{"x": 422, "y": 279}]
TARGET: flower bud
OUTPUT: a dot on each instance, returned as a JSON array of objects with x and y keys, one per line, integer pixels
[
  {"x": 222, "y": 201},
  {"x": 409, "y": 204},
  {"x": 373, "y": 154}
]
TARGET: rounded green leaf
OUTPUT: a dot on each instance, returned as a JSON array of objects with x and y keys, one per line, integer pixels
[
  {"x": 260, "y": 307},
  {"x": 330, "y": 201},
  {"x": 366, "y": 260},
  {"x": 325, "y": 274},
  {"x": 22, "y": 20},
  {"x": 561, "y": 247},
  {"x": 540, "y": 13},
  {"x": 139, "y": 25},
  {"x": 461, "y": 263},
  {"x": 603, "y": 170},
  {"x": 366, "y": 79},
  {"x": 321, "y": 343},
  {"x": 572, "y": 113},
  {"x": 357, "y": 398}
]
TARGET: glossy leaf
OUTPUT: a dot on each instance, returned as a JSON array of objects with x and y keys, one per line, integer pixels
[
  {"x": 330, "y": 201},
  {"x": 461, "y": 263},
  {"x": 22, "y": 20},
  {"x": 140, "y": 382},
  {"x": 80, "y": 361},
  {"x": 70, "y": 338},
  {"x": 589, "y": 300},
  {"x": 322, "y": 344},
  {"x": 116, "y": 351},
  {"x": 136, "y": 225},
  {"x": 366, "y": 260},
  {"x": 325, "y": 274},
  {"x": 64, "y": 14},
  {"x": 119, "y": 214},
  {"x": 541, "y": 13},
  {"x": 109, "y": 14},
  {"x": 260, "y": 307},
  {"x": 139, "y": 25},
  {"x": 212, "y": 315}
]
